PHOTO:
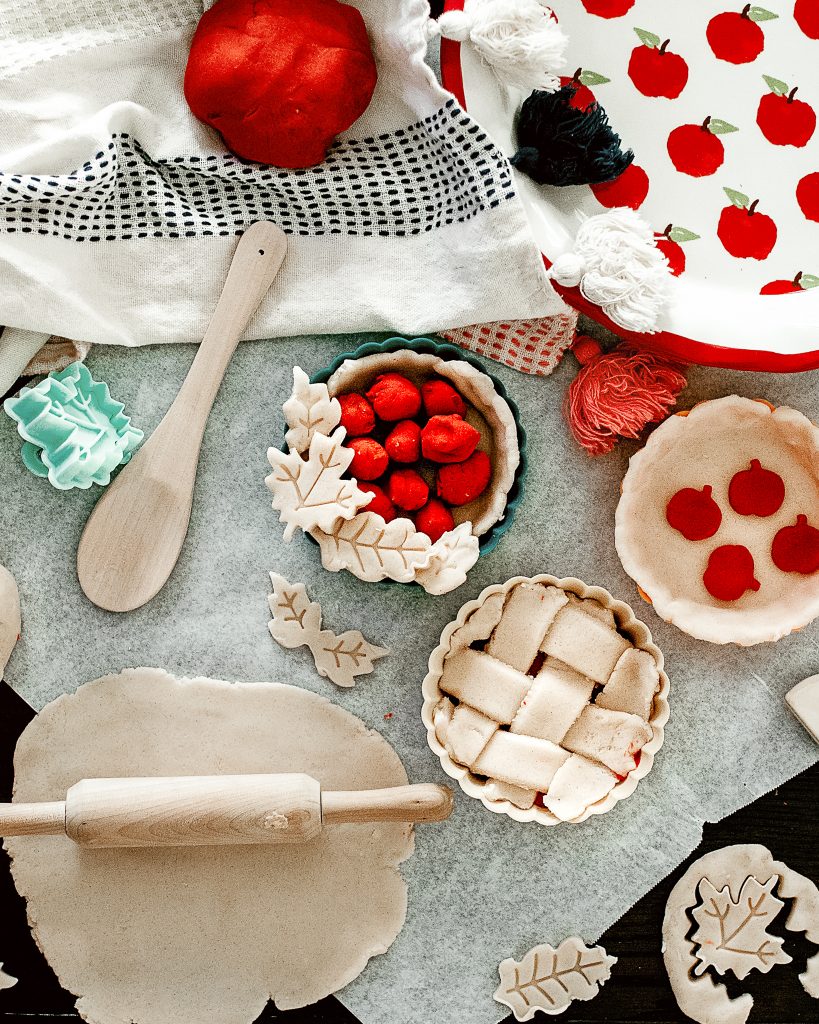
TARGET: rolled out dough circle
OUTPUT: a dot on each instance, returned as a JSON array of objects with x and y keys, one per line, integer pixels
[{"x": 210, "y": 933}]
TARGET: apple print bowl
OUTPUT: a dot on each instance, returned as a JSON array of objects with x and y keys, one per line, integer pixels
[
  {"x": 719, "y": 109},
  {"x": 717, "y": 521}
]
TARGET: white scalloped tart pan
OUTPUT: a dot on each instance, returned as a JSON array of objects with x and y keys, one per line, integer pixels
[{"x": 627, "y": 623}]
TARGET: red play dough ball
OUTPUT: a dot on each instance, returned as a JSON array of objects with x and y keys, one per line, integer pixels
[
  {"x": 357, "y": 416},
  {"x": 730, "y": 572},
  {"x": 756, "y": 491},
  {"x": 694, "y": 513},
  {"x": 370, "y": 460},
  {"x": 279, "y": 79},
  {"x": 440, "y": 399},
  {"x": 463, "y": 482},
  {"x": 394, "y": 397},
  {"x": 796, "y": 548},
  {"x": 407, "y": 489},
  {"x": 381, "y": 504},
  {"x": 403, "y": 443},
  {"x": 434, "y": 519},
  {"x": 449, "y": 439}
]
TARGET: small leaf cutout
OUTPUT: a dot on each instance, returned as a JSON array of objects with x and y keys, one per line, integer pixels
[
  {"x": 648, "y": 38},
  {"x": 737, "y": 198}
]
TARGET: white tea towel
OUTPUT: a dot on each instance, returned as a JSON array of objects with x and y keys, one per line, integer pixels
[{"x": 119, "y": 211}]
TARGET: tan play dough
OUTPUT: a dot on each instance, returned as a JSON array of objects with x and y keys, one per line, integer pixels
[
  {"x": 9, "y": 617},
  {"x": 6, "y": 980},
  {"x": 707, "y": 446},
  {"x": 721, "y": 882},
  {"x": 206, "y": 934}
]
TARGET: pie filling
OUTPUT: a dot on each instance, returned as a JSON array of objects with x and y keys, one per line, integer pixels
[{"x": 545, "y": 699}]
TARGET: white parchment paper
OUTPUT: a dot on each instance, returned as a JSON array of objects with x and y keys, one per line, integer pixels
[{"x": 482, "y": 887}]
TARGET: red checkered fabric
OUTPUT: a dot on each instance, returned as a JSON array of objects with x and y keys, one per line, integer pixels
[{"x": 531, "y": 346}]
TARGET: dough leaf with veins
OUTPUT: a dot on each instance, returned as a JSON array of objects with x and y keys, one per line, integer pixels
[
  {"x": 732, "y": 933},
  {"x": 6, "y": 980},
  {"x": 549, "y": 979},
  {"x": 310, "y": 493},
  {"x": 450, "y": 559},
  {"x": 308, "y": 411},
  {"x": 296, "y": 622},
  {"x": 372, "y": 549},
  {"x": 750, "y": 872}
]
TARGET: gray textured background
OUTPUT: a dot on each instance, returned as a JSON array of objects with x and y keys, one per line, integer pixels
[{"x": 481, "y": 887}]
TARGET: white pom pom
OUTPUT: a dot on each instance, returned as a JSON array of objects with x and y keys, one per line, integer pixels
[
  {"x": 518, "y": 38},
  {"x": 619, "y": 268}
]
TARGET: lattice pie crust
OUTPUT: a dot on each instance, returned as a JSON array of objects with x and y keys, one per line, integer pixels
[{"x": 544, "y": 696}]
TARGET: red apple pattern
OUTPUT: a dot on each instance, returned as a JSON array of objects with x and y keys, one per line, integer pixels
[
  {"x": 783, "y": 119},
  {"x": 807, "y": 195},
  {"x": 743, "y": 230},
  {"x": 582, "y": 79},
  {"x": 796, "y": 548},
  {"x": 669, "y": 244},
  {"x": 629, "y": 189},
  {"x": 654, "y": 69},
  {"x": 608, "y": 8},
  {"x": 806, "y": 16},
  {"x": 735, "y": 36},
  {"x": 730, "y": 572},
  {"x": 798, "y": 283},
  {"x": 695, "y": 149}
]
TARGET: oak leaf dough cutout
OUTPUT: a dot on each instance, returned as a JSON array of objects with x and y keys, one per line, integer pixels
[
  {"x": 730, "y": 895},
  {"x": 296, "y": 622},
  {"x": 549, "y": 979},
  {"x": 308, "y": 411},
  {"x": 236, "y": 925}
]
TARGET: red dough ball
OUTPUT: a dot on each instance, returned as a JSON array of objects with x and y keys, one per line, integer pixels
[
  {"x": 394, "y": 397},
  {"x": 407, "y": 489},
  {"x": 381, "y": 504},
  {"x": 730, "y": 572},
  {"x": 465, "y": 481},
  {"x": 756, "y": 491},
  {"x": 357, "y": 416},
  {"x": 694, "y": 513},
  {"x": 279, "y": 79},
  {"x": 449, "y": 439},
  {"x": 434, "y": 519},
  {"x": 796, "y": 548},
  {"x": 370, "y": 460},
  {"x": 403, "y": 443},
  {"x": 441, "y": 398}
]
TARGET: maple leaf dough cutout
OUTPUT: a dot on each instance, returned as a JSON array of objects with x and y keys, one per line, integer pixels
[
  {"x": 296, "y": 622},
  {"x": 549, "y": 979},
  {"x": 450, "y": 559},
  {"x": 308, "y": 411},
  {"x": 6, "y": 980},
  {"x": 310, "y": 493},
  {"x": 732, "y": 934}
]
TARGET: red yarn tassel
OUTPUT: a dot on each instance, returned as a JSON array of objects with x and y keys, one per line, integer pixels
[{"x": 618, "y": 393}]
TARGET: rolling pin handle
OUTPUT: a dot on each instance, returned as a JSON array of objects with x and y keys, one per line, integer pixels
[{"x": 46, "y": 819}]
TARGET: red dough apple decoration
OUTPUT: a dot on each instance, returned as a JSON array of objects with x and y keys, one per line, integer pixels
[
  {"x": 756, "y": 491},
  {"x": 735, "y": 36},
  {"x": 730, "y": 572},
  {"x": 279, "y": 79},
  {"x": 796, "y": 548},
  {"x": 782, "y": 119},
  {"x": 694, "y": 513},
  {"x": 654, "y": 69},
  {"x": 416, "y": 437},
  {"x": 695, "y": 149},
  {"x": 743, "y": 230}
]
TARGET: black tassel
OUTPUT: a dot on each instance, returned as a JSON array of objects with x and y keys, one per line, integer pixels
[{"x": 562, "y": 145}]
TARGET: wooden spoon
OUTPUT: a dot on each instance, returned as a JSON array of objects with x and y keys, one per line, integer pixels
[{"x": 134, "y": 536}]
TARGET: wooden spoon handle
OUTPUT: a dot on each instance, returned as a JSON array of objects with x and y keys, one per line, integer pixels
[
  {"x": 424, "y": 801},
  {"x": 255, "y": 263}
]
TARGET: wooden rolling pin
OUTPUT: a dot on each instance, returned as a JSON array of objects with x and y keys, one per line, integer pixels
[{"x": 215, "y": 810}]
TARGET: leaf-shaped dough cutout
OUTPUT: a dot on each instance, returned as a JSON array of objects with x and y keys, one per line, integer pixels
[
  {"x": 549, "y": 979},
  {"x": 373, "y": 550},
  {"x": 732, "y": 935},
  {"x": 450, "y": 559},
  {"x": 296, "y": 622},
  {"x": 309, "y": 410},
  {"x": 309, "y": 493},
  {"x": 6, "y": 980}
]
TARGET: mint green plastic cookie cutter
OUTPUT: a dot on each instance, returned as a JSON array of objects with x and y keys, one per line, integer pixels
[{"x": 75, "y": 433}]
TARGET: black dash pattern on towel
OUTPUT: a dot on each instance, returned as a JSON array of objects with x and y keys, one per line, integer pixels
[{"x": 442, "y": 170}]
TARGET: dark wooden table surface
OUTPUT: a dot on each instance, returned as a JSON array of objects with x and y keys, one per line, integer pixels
[{"x": 785, "y": 821}]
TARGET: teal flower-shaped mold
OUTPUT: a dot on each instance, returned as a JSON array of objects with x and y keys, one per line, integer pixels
[{"x": 75, "y": 433}]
